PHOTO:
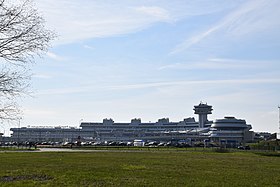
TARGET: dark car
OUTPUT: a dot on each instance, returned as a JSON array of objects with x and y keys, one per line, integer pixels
[{"x": 247, "y": 147}]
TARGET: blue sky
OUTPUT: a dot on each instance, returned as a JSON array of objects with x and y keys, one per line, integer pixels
[{"x": 154, "y": 59}]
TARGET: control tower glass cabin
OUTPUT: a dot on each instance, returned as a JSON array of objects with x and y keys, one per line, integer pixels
[{"x": 202, "y": 110}]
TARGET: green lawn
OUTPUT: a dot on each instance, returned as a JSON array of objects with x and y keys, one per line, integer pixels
[{"x": 155, "y": 168}]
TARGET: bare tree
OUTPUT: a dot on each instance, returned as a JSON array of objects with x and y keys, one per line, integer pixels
[
  {"x": 22, "y": 37},
  {"x": 12, "y": 84}
]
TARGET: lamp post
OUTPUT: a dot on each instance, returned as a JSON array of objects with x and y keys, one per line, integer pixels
[
  {"x": 1, "y": 134},
  {"x": 80, "y": 122},
  {"x": 278, "y": 134},
  {"x": 18, "y": 130},
  {"x": 79, "y": 136},
  {"x": 279, "y": 117}
]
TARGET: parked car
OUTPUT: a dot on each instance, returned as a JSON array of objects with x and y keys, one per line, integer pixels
[{"x": 247, "y": 147}]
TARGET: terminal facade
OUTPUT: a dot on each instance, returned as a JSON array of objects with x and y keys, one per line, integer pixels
[{"x": 228, "y": 130}]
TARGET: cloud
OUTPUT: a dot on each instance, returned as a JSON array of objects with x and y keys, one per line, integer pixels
[
  {"x": 38, "y": 112},
  {"x": 75, "y": 21},
  {"x": 54, "y": 56},
  {"x": 100, "y": 88},
  {"x": 185, "y": 83},
  {"x": 155, "y": 12},
  {"x": 220, "y": 63},
  {"x": 42, "y": 76},
  {"x": 62, "y": 91},
  {"x": 250, "y": 18},
  {"x": 88, "y": 47}
]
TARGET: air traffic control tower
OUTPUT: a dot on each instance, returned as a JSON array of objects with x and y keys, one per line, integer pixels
[{"x": 202, "y": 110}]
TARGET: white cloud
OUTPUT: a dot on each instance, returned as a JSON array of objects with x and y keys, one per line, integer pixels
[
  {"x": 88, "y": 47},
  {"x": 48, "y": 115},
  {"x": 155, "y": 12},
  {"x": 39, "y": 112},
  {"x": 203, "y": 82},
  {"x": 75, "y": 21},
  {"x": 220, "y": 63},
  {"x": 252, "y": 17},
  {"x": 100, "y": 88},
  {"x": 62, "y": 91},
  {"x": 42, "y": 76},
  {"x": 54, "y": 56}
]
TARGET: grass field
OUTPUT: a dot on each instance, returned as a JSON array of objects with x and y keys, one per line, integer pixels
[{"x": 154, "y": 168}]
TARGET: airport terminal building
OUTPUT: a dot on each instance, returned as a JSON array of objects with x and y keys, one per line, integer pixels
[{"x": 229, "y": 130}]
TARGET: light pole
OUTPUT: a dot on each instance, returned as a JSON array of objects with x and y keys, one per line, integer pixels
[
  {"x": 2, "y": 125},
  {"x": 80, "y": 122},
  {"x": 79, "y": 136},
  {"x": 1, "y": 134},
  {"x": 278, "y": 134},
  {"x": 18, "y": 130},
  {"x": 279, "y": 117}
]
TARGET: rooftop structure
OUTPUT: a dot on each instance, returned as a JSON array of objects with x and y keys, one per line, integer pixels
[
  {"x": 109, "y": 130},
  {"x": 230, "y": 129},
  {"x": 42, "y": 134},
  {"x": 203, "y": 110}
]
